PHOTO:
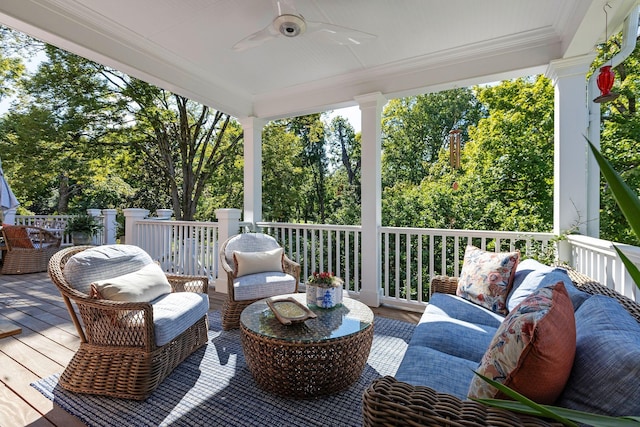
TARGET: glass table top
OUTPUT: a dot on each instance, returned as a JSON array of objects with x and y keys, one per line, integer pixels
[{"x": 331, "y": 323}]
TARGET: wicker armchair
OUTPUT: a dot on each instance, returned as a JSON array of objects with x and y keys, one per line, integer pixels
[
  {"x": 389, "y": 402},
  {"x": 269, "y": 283},
  {"x": 119, "y": 355},
  {"x": 27, "y": 249}
]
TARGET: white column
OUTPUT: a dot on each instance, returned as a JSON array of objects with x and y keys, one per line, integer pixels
[
  {"x": 131, "y": 215},
  {"x": 593, "y": 197},
  {"x": 371, "y": 210},
  {"x": 228, "y": 225},
  {"x": 572, "y": 192},
  {"x": 252, "y": 128},
  {"x": 110, "y": 226}
]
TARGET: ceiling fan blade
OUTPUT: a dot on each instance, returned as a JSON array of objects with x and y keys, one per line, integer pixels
[
  {"x": 256, "y": 39},
  {"x": 288, "y": 22},
  {"x": 285, "y": 7},
  {"x": 338, "y": 34}
]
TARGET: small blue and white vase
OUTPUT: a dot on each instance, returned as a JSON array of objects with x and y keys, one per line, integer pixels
[{"x": 324, "y": 296}]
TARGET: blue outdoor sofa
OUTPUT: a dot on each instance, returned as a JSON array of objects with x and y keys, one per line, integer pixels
[{"x": 432, "y": 384}]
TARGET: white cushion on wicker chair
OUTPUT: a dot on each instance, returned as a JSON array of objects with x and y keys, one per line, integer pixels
[
  {"x": 143, "y": 285},
  {"x": 249, "y": 242},
  {"x": 263, "y": 285},
  {"x": 174, "y": 313},
  {"x": 257, "y": 262},
  {"x": 103, "y": 262}
]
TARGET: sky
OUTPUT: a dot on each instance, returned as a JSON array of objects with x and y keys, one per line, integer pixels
[
  {"x": 31, "y": 66},
  {"x": 352, "y": 114}
]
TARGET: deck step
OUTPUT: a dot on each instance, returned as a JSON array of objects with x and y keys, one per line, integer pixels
[{"x": 7, "y": 329}]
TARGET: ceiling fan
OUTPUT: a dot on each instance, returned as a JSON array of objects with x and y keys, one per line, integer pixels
[{"x": 289, "y": 23}]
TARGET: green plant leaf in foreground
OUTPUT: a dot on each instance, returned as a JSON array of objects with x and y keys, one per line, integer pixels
[
  {"x": 628, "y": 202},
  {"x": 631, "y": 267},
  {"x": 531, "y": 407},
  {"x": 567, "y": 417},
  {"x": 625, "y": 197},
  {"x": 569, "y": 414}
]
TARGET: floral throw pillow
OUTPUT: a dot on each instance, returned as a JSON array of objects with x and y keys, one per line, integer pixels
[
  {"x": 486, "y": 278},
  {"x": 532, "y": 351}
]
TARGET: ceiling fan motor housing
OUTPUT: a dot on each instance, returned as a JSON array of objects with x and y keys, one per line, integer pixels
[{"x": 290, "y": 25}]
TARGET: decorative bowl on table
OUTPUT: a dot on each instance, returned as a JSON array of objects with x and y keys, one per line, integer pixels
[
  {"x": 324, "y": 290},
  {"x": 289, "y": 311}
]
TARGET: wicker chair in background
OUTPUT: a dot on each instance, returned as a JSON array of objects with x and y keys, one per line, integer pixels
[
  {"x": 389, "y": 402},
  {"x": 252, "y": 242},
  {"x": 118, "y": 354},
  {"x": 27, "y": 249}
]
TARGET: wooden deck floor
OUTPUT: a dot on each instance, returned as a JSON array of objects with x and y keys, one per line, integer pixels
[{"x": 46, "y": 344}]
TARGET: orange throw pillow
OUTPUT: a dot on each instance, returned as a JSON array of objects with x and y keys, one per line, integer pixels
[
  {"x": 533, "y": 349},
  {"x": 17, "y": 236}
]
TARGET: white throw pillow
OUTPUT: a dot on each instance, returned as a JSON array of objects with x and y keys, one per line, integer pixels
[
  {"x": 104, "y": 261},
  {"x": 257, "y": 262},
  {"x": 143, "y": 285}
]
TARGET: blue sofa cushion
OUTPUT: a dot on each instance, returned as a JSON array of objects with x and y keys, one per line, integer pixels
[
  {"x": 531, "y": 275},
  {"x": 440, "y": 371},
  {"x": 462, "y": 309},
  {"x": 605, "y": 377},
  {"x": 453, "y": 336}
]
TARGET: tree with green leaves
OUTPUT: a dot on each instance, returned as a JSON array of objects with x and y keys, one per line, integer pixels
[
  {"x": 283, "y": 173},
  {"x": 415, "y": 129},
  {"x": 345, "y": 148},
  {"x": 184, "y": 140},
  {"x": 100, "y": 119},
  {"x": 344, "y": 189},
  {"x": 14, "y": 47},
  {"x": 507, "y": 165},
  {"x": 310, "y": 129},
  {"x": 60, "y": 111}
]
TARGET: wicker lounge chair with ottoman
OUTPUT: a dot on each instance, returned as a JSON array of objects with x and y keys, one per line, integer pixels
[
  {"x": 552, "y": 334},
  {"x": 138, "y": 323},
  {"x": 256, "y": 268},
  {"x": 27, "y": 249}
]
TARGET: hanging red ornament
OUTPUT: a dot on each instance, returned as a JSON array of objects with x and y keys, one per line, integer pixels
[
  {"x": 606, "y": 77},
  {"x": 605, "y": 83}
]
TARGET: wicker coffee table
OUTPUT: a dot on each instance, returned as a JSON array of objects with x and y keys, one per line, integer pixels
[{"x": 314, "y": 358}]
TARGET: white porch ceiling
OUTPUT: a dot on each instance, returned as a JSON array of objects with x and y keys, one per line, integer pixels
[{"x": 422, "y": 45}]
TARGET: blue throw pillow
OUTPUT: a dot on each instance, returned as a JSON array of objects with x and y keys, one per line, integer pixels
[
  {"x": 532, "y": 275},
  {"x": 605, "y": 377}
]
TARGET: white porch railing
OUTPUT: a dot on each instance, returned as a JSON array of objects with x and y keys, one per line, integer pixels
[
  {"x": 57, "y": 224},
  {"x": 598, "y": 259},
  {"x": 410, "y": 256},
  {"x": 319, "y": 247},
  {"x": 54, "y": 223},
  {"x": 181, "y": 247}
]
